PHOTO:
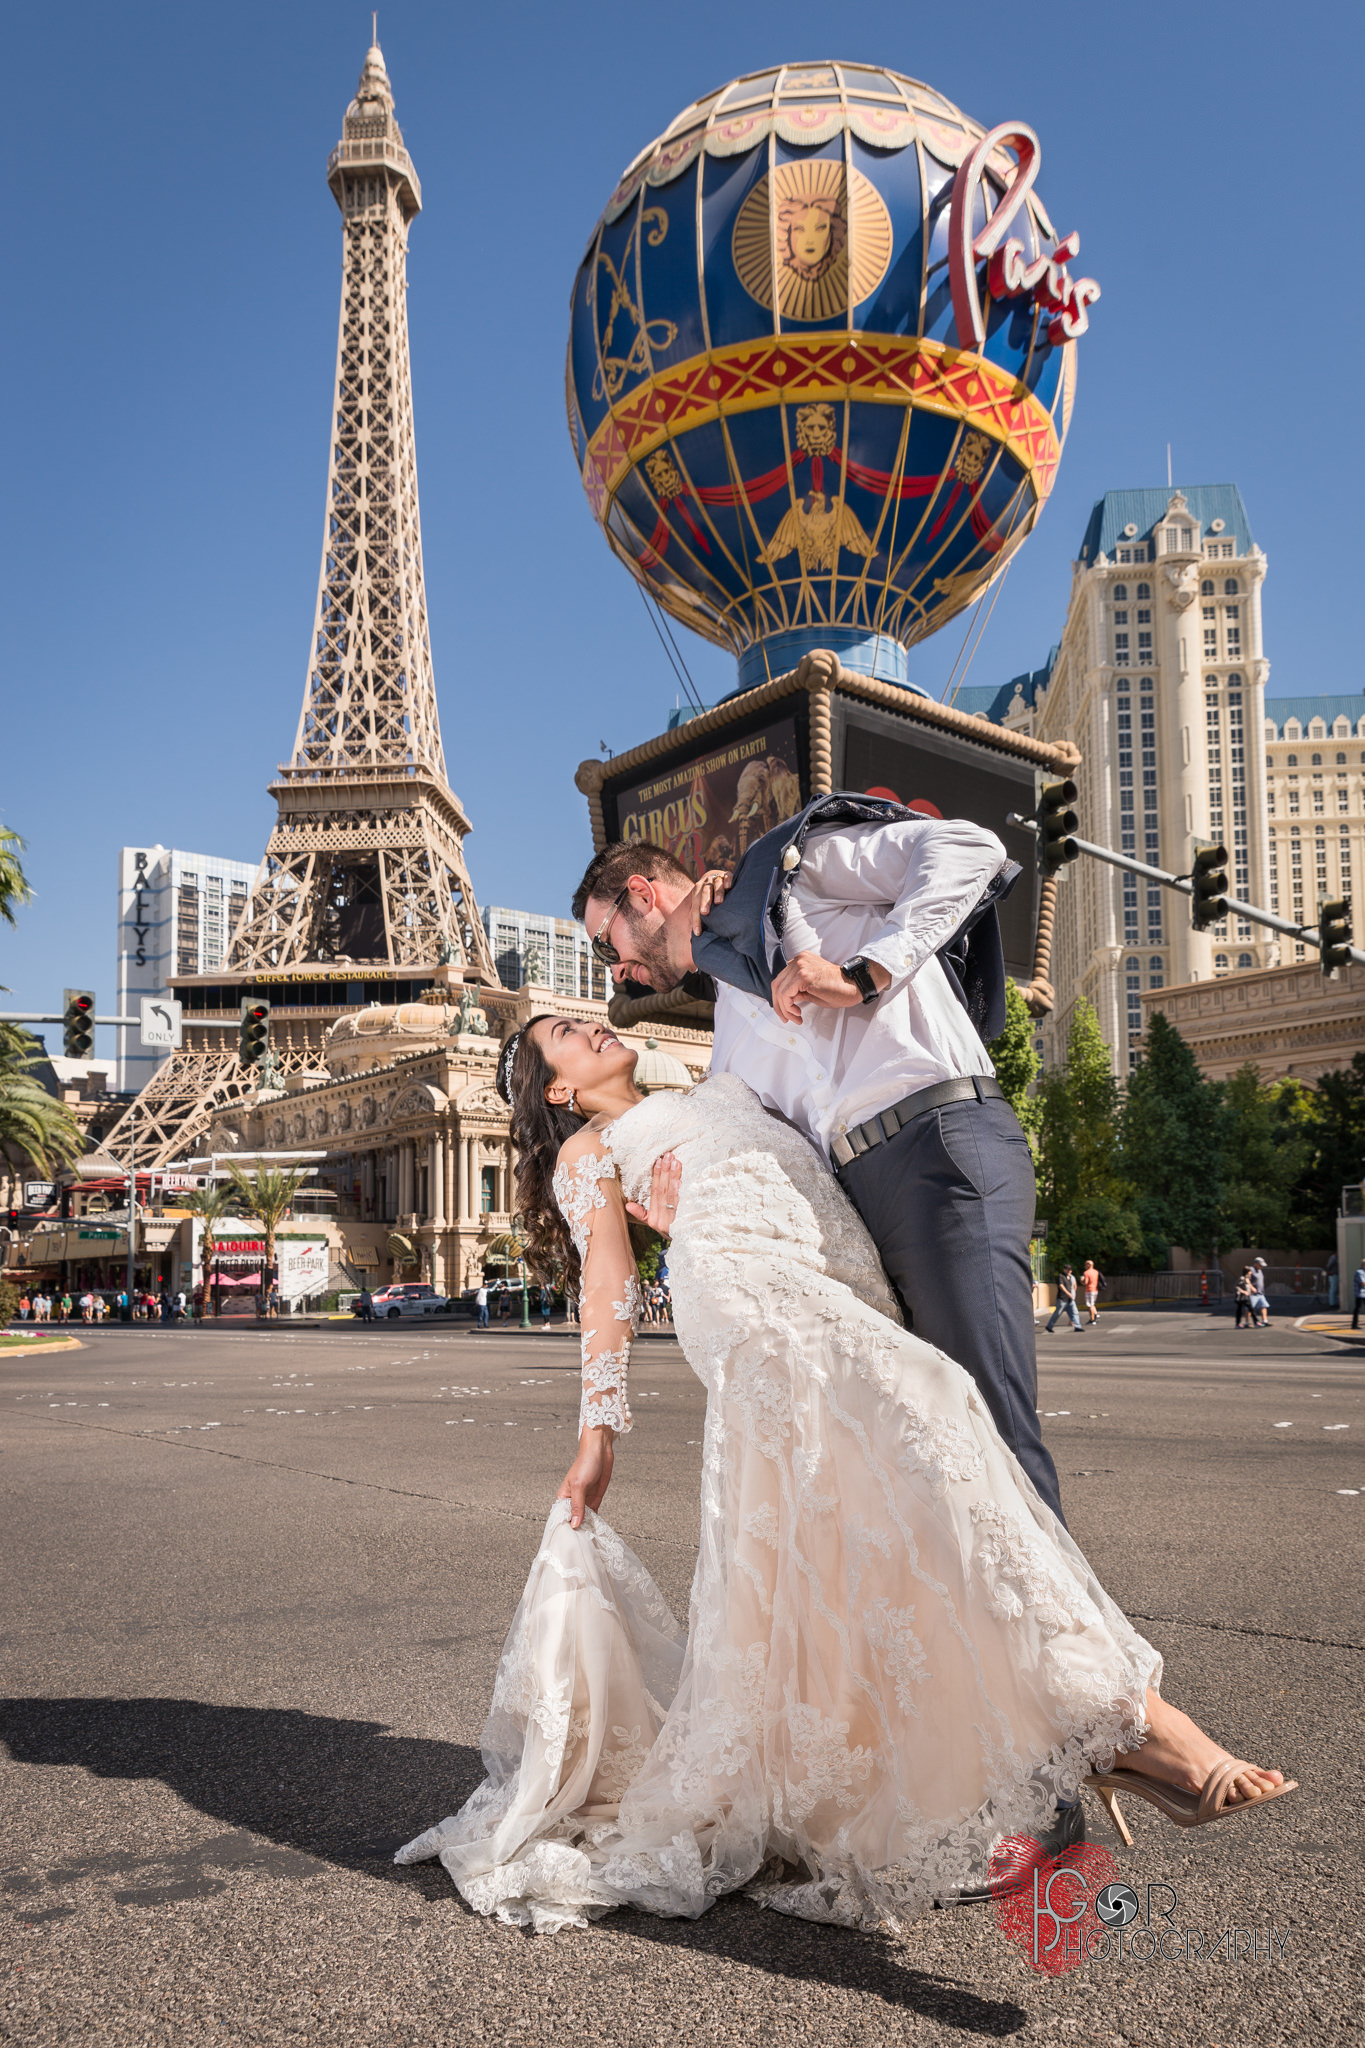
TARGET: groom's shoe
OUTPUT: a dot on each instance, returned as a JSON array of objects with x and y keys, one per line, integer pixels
[{"x": 1066, "y": 1832}]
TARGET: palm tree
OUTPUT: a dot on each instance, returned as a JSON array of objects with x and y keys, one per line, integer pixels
[
  {"x": 34, "y": 1126},
  {"x": 210, "y": 1203},
  {"x": 510, "y": 1245},
  {"x": 14, "y": 888},
  {"x": 403, "y": 1252},
  {"x": 267, "y": 1195}
]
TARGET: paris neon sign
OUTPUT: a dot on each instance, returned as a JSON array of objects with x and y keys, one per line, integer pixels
[{"x": 1009, "y": 274}]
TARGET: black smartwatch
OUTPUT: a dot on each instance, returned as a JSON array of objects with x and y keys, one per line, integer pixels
[{"x": 859, "y": 973}]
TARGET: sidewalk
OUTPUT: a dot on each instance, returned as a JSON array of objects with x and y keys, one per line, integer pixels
[{"x": 1331, "y": 1323}]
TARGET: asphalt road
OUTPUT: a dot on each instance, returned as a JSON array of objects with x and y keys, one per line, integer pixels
[{"x": 255, "y": 1586}]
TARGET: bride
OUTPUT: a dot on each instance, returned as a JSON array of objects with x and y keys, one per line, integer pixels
[{"x": 896, "y": 1656}]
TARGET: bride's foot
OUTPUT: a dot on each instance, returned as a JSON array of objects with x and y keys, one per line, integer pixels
[{"x": 1178, "y": 1752}]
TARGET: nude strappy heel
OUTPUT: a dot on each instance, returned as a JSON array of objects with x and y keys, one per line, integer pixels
[{"x": 1185, "y": 1809}]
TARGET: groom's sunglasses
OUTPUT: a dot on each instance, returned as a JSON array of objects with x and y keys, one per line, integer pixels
[{"x": 602, "y": 948}]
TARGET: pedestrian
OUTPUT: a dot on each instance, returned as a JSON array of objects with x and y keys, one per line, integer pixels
[
  {"x": 365, "y": 1306},
  {"x": 1066, "y": 1301},
  {"x": 504, "y": 1303},
  {"x": 481, "y": 1304},
  {"x": 179, "y": 1305},
  {"x": 66, "y": 1307},
  {"x": 87, "y": 1306},
  {"x": 164, "y": 1303},
  {"x": 1333, "y": 1280},
  {"x": 1260, "y": 1301},
  {"x": 1242, "y": 1299},
  {"x": 547, "y": 1302},
  {"x": 1091, "y": 1281},
  {"x": 25, "y": 1307},
  {"x": 1358, "y": 1290},
  {"x": 272, "y": 1304}
]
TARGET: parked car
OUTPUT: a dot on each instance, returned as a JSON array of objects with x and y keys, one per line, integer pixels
[{"x": 410, "y": 1298}]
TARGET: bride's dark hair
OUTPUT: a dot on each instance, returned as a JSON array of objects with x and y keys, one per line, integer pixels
[{"x": 539, "y": 1128}]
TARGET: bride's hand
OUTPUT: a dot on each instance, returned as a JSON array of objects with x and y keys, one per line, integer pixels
[
  {"x": 589, "y": 1476},
  {"x": 708, "y": 891},
  {"x": 664, "y": 1184}
]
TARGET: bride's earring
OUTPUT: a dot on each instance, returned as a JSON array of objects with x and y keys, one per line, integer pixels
[{"x": 572, "y": 1104}]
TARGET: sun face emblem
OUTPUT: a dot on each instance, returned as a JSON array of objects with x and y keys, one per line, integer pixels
[{"x": 825, "y": 231}]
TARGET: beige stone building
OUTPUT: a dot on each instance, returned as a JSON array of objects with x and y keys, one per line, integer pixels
[
  {"x": 1159, "y": 680},
  {"x": 415, "y": 1138},
  {"x": 1315, "y": 776},
  {"x": 1287, "y": 1020}
]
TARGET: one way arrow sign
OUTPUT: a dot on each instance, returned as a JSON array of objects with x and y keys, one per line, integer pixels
[{"x": 161, "y": 1023}]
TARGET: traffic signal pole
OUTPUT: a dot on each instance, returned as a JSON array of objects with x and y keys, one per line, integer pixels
[{"x": 1307, "y": 934}]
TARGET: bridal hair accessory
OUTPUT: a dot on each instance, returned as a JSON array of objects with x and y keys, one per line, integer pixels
[{"x": 503, "y": 1078}]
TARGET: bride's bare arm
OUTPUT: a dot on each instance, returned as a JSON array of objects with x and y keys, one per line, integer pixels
[{"x": 589, "y": 1194}]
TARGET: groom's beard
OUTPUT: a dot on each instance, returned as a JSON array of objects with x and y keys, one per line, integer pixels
[{"x": 649, "y": 949}]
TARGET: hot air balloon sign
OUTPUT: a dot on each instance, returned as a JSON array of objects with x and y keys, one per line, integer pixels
[{"x": 821, "y": 363}]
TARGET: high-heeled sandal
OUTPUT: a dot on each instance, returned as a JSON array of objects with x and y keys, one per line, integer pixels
[{"x": 1186, "y": 1809}]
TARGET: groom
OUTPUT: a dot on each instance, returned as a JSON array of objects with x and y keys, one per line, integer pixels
[{"x": 858, "y": 970}]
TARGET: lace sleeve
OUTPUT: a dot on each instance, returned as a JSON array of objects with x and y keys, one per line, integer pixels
[{"x": 590, "y": 1200}]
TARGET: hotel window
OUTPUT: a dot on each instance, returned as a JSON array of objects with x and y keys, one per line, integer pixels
[
  {"x": 1120, "y": 593},
  {"x": 1145, "y": 616},
  {"x": 1293, "y": 803},
  {"x": 1209, "y": 611},
  {"x": 1220, "y": 961},
  {"x": 1125, "y": 554},
  {"x": 1291, "y": 760},
  {"x": 1341, "y": 760},
  {"x": 1317, "y": 761},
  {"x": 1317, "y": 802},
  {"x": 488, "y": 1190},
  {"x": 1120, "y": 650},
  {"x": 1227, "y": 550},
  {"x": 1144, "y": 650},
  {"x": 1206, "y": 589},
  {"x": 1343, "y": 800},
  {"x": 1231, "y": 587},
  {"x": 1244, "y": 960}
]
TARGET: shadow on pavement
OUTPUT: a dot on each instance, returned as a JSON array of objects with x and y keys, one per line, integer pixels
[{"x": 349, "y": 1793}]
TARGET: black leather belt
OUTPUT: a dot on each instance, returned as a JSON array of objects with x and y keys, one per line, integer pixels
[{"x": 851, "y": 1145}]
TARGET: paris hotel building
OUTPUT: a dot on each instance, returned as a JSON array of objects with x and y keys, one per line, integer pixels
[{"x": 1159, "y": 678}]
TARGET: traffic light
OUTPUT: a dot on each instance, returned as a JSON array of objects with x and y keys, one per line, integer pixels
[
  {"x": 1056, "y": 822},
  {"x": 254, "y": 1039},
  {"x": 1209, "y": 882},
  {"x": 1334, "y": 930},
  {"x": 78, "y": 1023}
]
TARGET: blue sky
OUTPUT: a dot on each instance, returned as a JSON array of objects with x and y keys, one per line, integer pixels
[{"x": 175, "y": 267}]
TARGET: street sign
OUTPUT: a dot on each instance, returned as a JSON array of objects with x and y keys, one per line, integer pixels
[{"x": 161, "y": 1022}]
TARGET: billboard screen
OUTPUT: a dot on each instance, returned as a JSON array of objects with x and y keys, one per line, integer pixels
[
  {"x": 707, "y": 810},
  {"x": 948, "y": 779}
]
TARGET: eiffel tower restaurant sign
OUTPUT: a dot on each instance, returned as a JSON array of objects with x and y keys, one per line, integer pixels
[{"x": 822, "y": 360}]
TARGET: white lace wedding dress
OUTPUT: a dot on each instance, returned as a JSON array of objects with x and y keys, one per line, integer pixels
[{"x": 895, "y": 1655}]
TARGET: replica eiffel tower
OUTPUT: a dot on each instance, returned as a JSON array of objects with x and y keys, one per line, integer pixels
[{"x": 364, "y": 883}]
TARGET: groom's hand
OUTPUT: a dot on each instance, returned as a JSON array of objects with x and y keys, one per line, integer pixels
[{"x": 809, "y": 979}]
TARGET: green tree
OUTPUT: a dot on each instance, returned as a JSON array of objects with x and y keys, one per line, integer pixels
[
  {"x": 1016, "y": 1062},
  {"x": 211, "y": 1204},
  {"x": 14, "y": 887},
  {"x": 1174, "y": 1132},
  {"x": 1266, "y": 1152},
  {"x": 34, "y": 1127},
  {"x": 1084, "y": 1192},
  {"x": 1331, "y": 1117},
  {"x": 266, "y": 1194}
]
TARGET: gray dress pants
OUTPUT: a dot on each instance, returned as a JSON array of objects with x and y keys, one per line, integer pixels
[{"x": 949, "y": 1202}]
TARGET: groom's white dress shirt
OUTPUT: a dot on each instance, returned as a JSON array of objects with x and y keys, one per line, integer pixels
[{"x": 894, "y": 893}]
